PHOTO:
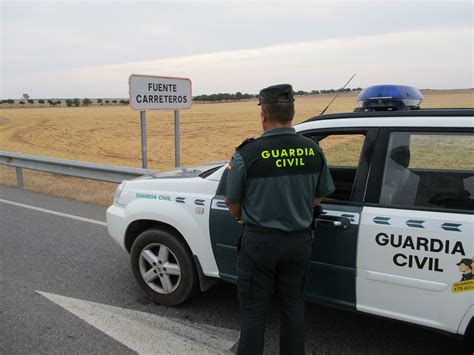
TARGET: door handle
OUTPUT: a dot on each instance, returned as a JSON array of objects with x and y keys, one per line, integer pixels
[
  {"x": 333, "y": 222},
  {"x": 329, "y": 222}
]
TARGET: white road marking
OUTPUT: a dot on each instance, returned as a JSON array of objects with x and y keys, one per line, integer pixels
[
  {"x": 148, "y": 333},
  {"x": 54, "y": 212}
]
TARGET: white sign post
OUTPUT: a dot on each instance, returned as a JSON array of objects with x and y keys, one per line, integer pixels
[{"x": 159, "y": 93}]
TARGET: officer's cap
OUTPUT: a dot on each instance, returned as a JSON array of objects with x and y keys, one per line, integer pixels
[
  {"x": 465, "y": 261},
  {"x": 276, "y": 93}
]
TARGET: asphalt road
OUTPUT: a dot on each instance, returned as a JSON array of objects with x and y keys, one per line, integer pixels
[{"x": 44, "y": 254}]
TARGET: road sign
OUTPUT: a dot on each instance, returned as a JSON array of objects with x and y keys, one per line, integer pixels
[
  {"x": 159, "y": 93},
  {"x": 148, "y": 92}
]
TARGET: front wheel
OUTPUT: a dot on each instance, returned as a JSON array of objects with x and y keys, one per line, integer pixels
[{"x": 163, "y": 267}]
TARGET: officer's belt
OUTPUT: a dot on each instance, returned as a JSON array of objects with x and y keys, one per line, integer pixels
[{"x": 249, "y": 227}]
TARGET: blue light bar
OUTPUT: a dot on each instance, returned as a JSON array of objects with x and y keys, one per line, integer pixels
[{"x": 389, "y": 97}]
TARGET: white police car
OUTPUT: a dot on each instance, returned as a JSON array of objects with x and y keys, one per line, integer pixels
[{"x": 396, "y": 238}]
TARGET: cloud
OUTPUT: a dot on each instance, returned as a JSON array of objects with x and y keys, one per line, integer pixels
[{"x": 432, "y": 58}]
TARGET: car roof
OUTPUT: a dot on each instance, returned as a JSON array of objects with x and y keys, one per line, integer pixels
[{"x": 416, "y": 118}]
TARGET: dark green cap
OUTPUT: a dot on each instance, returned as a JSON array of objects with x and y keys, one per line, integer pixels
[
  {"x": 276, "y": 93},
  {"x": 465, "y": 261}
]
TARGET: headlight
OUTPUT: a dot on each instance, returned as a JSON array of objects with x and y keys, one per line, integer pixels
[{"x": 118, "y": 192}]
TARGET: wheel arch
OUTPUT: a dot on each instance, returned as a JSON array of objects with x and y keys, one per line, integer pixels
[
  {"x": 466, "y": 325},
  {"x": 135, "y": 228}
]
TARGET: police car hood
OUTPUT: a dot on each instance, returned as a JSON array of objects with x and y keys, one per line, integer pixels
[{"x": 189, "y": 171}]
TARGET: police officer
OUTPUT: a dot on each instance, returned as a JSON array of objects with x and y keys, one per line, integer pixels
[{"x": 272, "y": 184}]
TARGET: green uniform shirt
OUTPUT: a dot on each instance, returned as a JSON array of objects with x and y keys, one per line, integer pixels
[{"x": 276, "y": 178}]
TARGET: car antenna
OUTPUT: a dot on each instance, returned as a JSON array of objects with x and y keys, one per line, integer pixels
[{"x": 339, "y": 91}]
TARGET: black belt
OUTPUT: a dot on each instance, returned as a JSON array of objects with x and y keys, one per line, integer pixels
[{"x": 249, "y": 227}]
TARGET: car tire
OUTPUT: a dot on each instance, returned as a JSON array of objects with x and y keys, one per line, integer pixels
[{"x": 163, "y": 267}]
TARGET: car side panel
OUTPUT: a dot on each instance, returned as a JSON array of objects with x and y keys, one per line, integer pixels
[
  {"x": 407, "y": 266},
  {"x": 187, "y": 212}
]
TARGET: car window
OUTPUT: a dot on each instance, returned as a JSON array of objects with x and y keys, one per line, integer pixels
[
  {"x": 434, "y": 170},
  {"x": 342, "y": 152},
  {"x": 213, "y": 174}
]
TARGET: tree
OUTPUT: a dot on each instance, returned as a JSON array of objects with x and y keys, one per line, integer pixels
[
  {"x": 51, "y": 102},
  {"x": 77, "y": 102},
  {"x": 41, "y": 102},
  {"x": 107, "y": 101},
  {"x": 99, "y": 101},
  {"x": 31, "y": 101},
  {"x": 223, "y": 97},
  {"x": 69, "y": 102},
  {"x": 86, "y": 102},
  {"x": 58, "y": 102},
  {"x": 114, "y": 101},
  {"x": 22, "y": 102}
]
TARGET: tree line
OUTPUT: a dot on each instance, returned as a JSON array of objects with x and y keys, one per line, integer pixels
[
  {"x": 224, "y": 97},
  {"x": 69, "y": 102},
  {"x": 31, "y": 102},
  {"x": 76, "y": 102},
  {"x": 330, "y": 91},
  {"x": 239, "y": 96},
  {"x": 86, "y": 102}
]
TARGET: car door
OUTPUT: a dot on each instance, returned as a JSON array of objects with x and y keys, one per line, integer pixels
[
  {"x": 415, "y": 247},
  {"x": 332, "y": 270},
  {"x": 225, "y": 233}
]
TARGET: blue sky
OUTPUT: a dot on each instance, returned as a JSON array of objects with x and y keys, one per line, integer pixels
[{"x": 88, "y": 49}]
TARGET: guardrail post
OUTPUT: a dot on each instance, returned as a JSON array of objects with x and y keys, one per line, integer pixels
[
  {"x": 177, "y": 161},
  {"x": 143, "y": 131},
  {"x": 19, "y": 177}
]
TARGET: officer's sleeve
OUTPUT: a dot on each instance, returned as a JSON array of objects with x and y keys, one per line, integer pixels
[
  {"x": 325, "y": 185},
  {"x": 233, "y": 179},
  {"x": 222, "y": 183}
]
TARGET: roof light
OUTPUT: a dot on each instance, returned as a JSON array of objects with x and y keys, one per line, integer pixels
[{"x": 389, "y": 97}]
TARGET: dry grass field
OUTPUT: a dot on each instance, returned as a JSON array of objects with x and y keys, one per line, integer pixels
[{"x": 111, "y": 135}]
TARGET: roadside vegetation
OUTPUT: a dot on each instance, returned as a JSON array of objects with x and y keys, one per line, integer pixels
[
  {"x": 220, "y": 97},
  {"x": 75, "y": 102}
]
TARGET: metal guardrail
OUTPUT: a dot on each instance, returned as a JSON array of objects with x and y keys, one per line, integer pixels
[{"x": 93, "y": 171}]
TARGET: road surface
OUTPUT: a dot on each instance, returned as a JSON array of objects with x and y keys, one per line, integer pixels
[{"x": 66, "y": 287}]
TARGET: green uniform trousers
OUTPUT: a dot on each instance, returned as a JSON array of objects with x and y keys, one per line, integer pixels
[{"x": 272, "y": 260}]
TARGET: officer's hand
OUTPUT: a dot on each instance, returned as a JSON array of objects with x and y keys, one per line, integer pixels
[{"x": 317, "y": 210}]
